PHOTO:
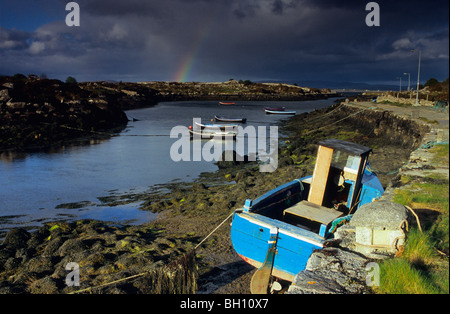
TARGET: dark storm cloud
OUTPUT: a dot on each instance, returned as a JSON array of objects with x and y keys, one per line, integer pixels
[
  {"x": 12, "y": 39},
  {"x": 248, "y": 39}
]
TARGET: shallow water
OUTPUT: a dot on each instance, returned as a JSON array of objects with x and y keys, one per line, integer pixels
[{"x": 33, "y": 185}]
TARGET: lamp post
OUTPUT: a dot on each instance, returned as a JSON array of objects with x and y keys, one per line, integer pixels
[
  {"x": 409, "y": 80},
  {"x": 400, "y": 89},
  {"x": 418, "y": 78}
]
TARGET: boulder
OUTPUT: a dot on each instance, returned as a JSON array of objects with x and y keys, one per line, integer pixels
[
  {"x": 16, "y": 238},
  {"x": 4, "y": 95},
  {"x": 380, "y": 228}
]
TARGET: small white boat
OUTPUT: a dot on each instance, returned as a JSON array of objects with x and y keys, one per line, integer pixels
[
  {"x": 205, "y": 134},
  {"x": 222, "y": 127},
  {"x": 280, "y": 112},
  {"x": 232, "y": 120}
]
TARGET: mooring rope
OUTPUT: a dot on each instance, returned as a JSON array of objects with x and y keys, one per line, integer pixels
[{"x": 212, "y": 232}]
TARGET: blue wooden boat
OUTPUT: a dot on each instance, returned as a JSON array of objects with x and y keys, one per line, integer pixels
[{"x": 303, "y": 214}]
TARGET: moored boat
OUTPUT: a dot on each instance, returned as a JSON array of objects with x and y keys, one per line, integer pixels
[
  {"x": 275, "y": 108},
  {"x": 298, "y": 217},
  {"x": 226, "y": 103},
  {"x": 233, "y": 120},
  {"x": 204, "y": 134},
  {"x": 221, "y": 127},
  {"x": 280, "y": 112}
]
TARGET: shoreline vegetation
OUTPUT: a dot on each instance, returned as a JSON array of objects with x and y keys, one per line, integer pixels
[{"x": 165, "y": 256}]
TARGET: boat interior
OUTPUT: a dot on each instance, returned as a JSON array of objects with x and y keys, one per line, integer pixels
[{"x": 313, "y": 202}]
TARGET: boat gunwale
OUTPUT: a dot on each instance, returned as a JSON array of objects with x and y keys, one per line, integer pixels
[{"x": 283, "y": 227}]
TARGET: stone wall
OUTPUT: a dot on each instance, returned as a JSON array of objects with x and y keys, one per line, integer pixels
[{"x": 402, "y": 100}]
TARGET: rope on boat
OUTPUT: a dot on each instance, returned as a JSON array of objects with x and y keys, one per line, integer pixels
[
  {"x": 185, "y": 259},
  {"x": 212, "y": 232}
]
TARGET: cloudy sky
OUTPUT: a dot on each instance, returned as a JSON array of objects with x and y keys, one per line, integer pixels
[{"x": 215, "y": 40}]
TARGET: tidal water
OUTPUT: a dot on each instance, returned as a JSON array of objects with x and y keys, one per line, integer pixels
[{"x": 33, "y": 186}]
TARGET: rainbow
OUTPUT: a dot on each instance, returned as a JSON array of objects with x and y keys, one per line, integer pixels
[
  {"x": 186, "y": 66},
  {"x": 182, "y": 74}
]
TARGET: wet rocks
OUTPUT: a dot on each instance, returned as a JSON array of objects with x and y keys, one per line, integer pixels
[
  {"x": 36, "y": 262},
  {"x": 16, "y": 238}
]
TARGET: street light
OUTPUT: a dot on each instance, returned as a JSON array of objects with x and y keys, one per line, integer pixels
[
  {"x": 418, "y": 77},
  {"x": 400, "y": 90},
  {"x": 409, "y": 80}
]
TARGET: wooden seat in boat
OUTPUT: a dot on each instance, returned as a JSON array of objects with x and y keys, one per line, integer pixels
[{"x": 313, "y": 212}]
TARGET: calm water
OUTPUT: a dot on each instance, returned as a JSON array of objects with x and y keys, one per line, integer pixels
[{"x": 33, "y": 185}]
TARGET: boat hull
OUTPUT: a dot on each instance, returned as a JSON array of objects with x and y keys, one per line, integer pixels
[
  {"x": 275, "y": 109},
  {"x": 237, "y": 120},
  {"x": 251, "y": 227},
  {"x": 212, "y": 135},
  {"x": 250, "y": 236},
  {"x": 280, "y": 112},
  {"x": 217, "y": 127}
]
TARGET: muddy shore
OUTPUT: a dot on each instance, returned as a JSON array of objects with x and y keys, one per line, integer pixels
[{"x": 35, "y": 262}]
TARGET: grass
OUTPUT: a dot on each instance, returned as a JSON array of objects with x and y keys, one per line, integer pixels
[
  {"x": 440, "y": 154},
  {"x": 422, "y": 269},
  {"x": 426, "y": 120},
  {"x": 397, "y": 104},
  {"x": 399, "y": 276},
  {"x": 424, "y": 195}
]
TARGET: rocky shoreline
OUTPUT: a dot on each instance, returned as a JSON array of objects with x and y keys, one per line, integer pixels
[
  {"x": 36, "y": 114},
  {"x": 34, "y": 262}
]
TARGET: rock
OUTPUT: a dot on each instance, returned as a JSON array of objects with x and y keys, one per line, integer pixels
[
  {"x": 16, "y": 238},
  {"x": 46, "y": 285},
  {"x": 308, "y": 282},
  {"x": 4, "y": 95},
  {"x": 52, "y": 246},
  {"x": 12, "y": 263},
  {"x": 199, "y": 187},
  {"x": 242, "y": 175},
  {"x": 380, "y": 228},
  {"x": 380, "y": 215},
  {"x": 39, "y": 265},
  {"x": 231, "y": 158},
  {"x": 70, "y": 247},
  {"x": 332, "y": 271}
]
